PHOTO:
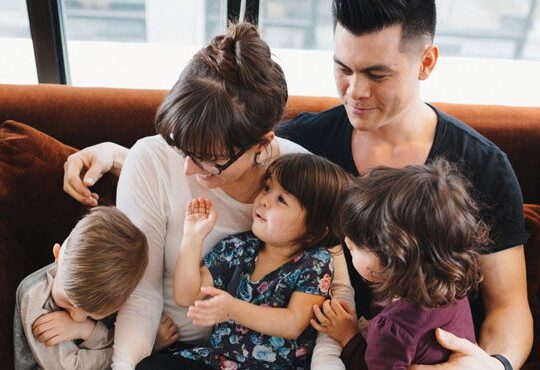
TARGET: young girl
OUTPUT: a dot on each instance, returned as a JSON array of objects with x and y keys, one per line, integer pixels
[
  {"x": 262, "y": 284},
  {"x": 414, "y": 233}
]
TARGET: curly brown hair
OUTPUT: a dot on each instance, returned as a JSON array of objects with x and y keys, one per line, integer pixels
[{"x": 423, "y": 224}]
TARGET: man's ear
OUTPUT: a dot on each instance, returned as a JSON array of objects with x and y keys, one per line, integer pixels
[
  {"x": 428, "y": 61},
  {"x": 56, "y": 251}
]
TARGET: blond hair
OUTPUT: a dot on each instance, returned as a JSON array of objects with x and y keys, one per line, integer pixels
[{"x": 104, "y": 259}]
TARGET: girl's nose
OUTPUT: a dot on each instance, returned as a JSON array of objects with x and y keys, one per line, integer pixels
[{"x": 190, "y": 168}]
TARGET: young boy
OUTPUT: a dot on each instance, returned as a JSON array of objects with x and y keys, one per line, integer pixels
[{"x": 62, "y": 310}]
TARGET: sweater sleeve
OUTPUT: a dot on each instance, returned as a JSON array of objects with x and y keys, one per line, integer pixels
[
  {"x": 390, "y": 346},
  {"x": 141, "y": 196},
  {"x": 354, "y": 352},
  {"x": 327, "y": 351}
]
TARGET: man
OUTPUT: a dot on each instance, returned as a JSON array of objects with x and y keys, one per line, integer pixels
[{"x": 382, "y": 52}]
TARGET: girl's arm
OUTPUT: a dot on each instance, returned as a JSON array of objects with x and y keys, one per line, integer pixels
[
  {"x": 188, "y": 275},
  {"x": 286, "y": 323}
]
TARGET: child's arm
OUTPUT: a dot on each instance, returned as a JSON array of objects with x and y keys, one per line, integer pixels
[
  {"x": 188, "y": 275},
  {"x": 286, "y": 323},
  {"x": 51, "y": 339}
]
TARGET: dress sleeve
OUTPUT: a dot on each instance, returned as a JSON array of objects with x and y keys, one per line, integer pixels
[
  {"x": 222, "y": 260},
  {"x": 316, "y": 274},
  {"x": 141, "y": 196},
  {"x": 389, "y": 346}
]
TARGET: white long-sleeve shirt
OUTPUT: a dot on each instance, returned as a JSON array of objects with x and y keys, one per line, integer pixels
[{"x": 153, "y": 192}]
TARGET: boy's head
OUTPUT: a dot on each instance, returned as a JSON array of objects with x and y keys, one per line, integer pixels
[
  {"x": 308, "y": 183},
  {"x": 422, "y": 226},
  {"x": 99, "y": 264}
]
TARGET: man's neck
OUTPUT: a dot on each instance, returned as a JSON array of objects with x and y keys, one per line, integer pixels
[{"x": 414, "y": 125}]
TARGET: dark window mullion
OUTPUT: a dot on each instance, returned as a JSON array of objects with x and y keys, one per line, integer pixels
[{"x": 48, "y": 37}]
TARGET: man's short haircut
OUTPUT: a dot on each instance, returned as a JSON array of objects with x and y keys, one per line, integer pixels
[
  {"x": 104, "y": 259},
  {"x": 418, "y": 18}
]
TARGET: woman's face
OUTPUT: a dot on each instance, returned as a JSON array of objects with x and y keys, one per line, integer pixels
[
  {"x": 365, "y": 262},
  {"x": 278, "y": 217},
  {"x": 235, "y": 172}
]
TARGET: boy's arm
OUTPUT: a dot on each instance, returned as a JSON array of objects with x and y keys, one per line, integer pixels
[
  {"x": 326, "y": 354},
  {"x": 66, "y": 354},
  {"x": 286, "y": 323}
]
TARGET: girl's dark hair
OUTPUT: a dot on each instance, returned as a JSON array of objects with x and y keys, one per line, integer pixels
[
  {"x": 318, "y": 185},
  {"x": 229, "y": 96},
  {"x": 418, "y": 18},
  {"x": 423, "y": 225}
]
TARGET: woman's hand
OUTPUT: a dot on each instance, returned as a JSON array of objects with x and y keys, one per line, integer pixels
[
  {"x": 213, "y": 310},
  {"x": 200, "y": 218},
  {"x": 167, "y": 334},
  {"x": 55, "y": 327},
  {"x": 465, "y": 355},
  {"x": 336, "y": 319},
  {"x": 84, "y": 168}
]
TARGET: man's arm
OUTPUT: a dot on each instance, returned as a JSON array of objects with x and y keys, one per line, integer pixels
[{"x": 508, "y": 327}]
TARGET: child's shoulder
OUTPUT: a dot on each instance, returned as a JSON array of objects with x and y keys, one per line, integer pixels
[
  {"x": 317, "y": 255},
  {"x": 244, "y": 238},
  {"x": 36, "y": 283}
]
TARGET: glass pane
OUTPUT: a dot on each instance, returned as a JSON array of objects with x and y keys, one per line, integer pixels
[
  {"x": 137, "y": 43},
  {"x": 17, "y": 64}
]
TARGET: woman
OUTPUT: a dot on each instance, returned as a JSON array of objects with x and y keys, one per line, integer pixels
[{"x": 214, "y": 140}]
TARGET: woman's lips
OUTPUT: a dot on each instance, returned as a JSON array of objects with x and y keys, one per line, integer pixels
[{"x": 258, "y": 215}]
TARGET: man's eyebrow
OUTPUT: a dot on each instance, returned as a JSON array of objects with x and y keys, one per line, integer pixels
[{"x": 381, "y": 68}]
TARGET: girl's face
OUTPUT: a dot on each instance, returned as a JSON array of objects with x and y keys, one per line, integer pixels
[
  {"x": 278, "y": 217},
  {"x": 365, "y": 262}
]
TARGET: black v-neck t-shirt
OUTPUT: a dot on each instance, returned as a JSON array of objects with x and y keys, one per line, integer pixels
[{"x": 495, "y": 186}]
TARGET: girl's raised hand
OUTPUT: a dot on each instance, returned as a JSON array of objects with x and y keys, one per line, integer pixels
[{"x": 200, "y": 218}]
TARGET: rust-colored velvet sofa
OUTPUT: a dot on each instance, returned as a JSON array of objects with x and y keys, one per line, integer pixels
[{"x": 35, "y": 213}]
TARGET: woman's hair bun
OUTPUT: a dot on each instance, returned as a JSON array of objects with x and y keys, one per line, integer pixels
[{"x": 241, "y": 56}]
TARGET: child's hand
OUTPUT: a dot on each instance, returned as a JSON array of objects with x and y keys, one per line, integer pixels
[
  {"x": 55, "y": 327},
  {"x": 200, "y": 218},
  {"x": 336, "y": 319},
  {"x": 213, "y": 310},
  {"x": 167, "y": 333}
]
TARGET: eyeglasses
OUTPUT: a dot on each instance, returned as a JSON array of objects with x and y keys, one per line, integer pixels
[{"x": 216, "y": 168}]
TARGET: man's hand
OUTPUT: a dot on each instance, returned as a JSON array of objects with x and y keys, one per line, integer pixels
[
  {"x": 85, "y": 167},
  {"x": 200, "y": 218},
  {"x": 337, "y": 320},
  {"x": 213, "y": 310},
  {"x": 167, "y": 333},
  {"x": 465, "y": 355},
  {"x": 55, "y": 327}
]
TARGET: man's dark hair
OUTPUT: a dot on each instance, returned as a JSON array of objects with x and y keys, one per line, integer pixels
[
  {"x": 417, "y": 17},
  {"x": 424, "y": 226}
]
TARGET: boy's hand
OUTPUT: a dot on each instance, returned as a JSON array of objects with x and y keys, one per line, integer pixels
[
  {"x": 167, "y": 333},
  {"x": 211, "y": 311},
  {"x": 55, "y": 327},
  {"x": 337, "y": 320},
  {"x": 200, "y": 218}
]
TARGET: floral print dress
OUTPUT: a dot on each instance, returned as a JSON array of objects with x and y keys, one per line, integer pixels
[{"x": 233, "y": 346}]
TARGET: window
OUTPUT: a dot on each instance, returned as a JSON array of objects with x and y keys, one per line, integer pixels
[
  {"x": 137, "y": 43},
  {"x": 17, "y": 64}
]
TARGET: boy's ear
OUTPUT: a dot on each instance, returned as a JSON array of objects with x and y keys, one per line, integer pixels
[{"x": 56, "y": 251}]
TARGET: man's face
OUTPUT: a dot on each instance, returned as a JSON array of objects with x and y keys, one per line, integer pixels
[{"x": 377, "y": 82}]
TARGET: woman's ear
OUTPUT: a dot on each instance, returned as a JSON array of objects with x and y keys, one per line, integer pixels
[{"x": 263, "y": 150}]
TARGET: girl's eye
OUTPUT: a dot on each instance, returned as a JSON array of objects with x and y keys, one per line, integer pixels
[
  {"x": 282, "y": 200},
  {"x": 266, "y": 188}
]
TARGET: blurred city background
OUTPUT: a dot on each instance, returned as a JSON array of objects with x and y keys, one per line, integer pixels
[{"x": 109, "y": 38}]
